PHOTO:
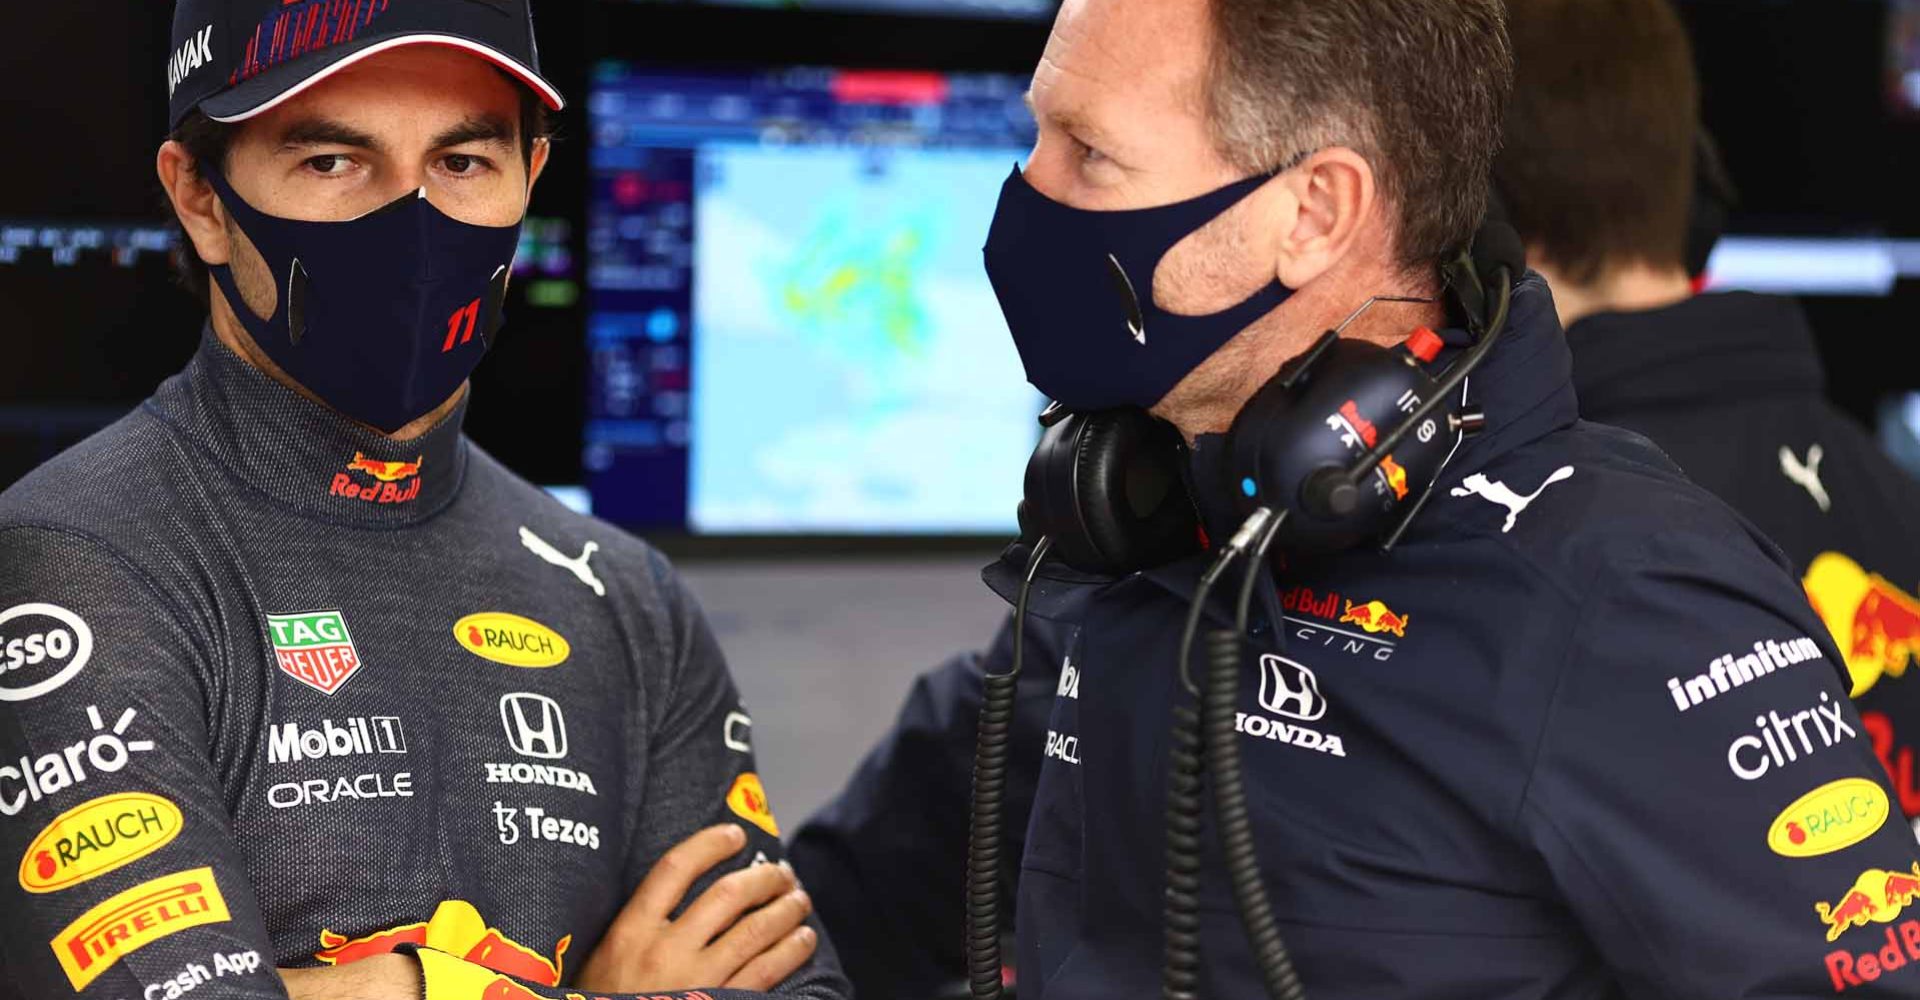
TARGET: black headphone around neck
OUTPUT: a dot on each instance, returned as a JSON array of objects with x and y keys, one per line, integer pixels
[{"x": 1344, "y": 437}]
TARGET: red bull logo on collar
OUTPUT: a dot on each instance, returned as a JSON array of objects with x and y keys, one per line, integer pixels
[{"x": 393, "y": 482}]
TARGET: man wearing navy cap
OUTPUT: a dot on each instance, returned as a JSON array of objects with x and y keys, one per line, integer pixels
[{"x": 292, "y": 675}]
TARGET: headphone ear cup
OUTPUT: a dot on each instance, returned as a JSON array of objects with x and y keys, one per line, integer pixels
[
  {"x": 1714, "y": 199},
  {"x": 1107, "y": 487}
]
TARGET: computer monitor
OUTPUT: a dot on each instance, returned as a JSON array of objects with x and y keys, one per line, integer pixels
[{"x": 791, "y": 330}]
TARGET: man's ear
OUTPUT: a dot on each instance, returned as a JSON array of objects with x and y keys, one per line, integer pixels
[
  {"x": 1334, "y": 193},
  {"x": 542, "y": 149},
  {"x": 199, "y": 210}
]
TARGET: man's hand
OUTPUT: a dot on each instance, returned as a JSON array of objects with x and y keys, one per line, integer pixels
[
  {"x": 377, "y": 977},
  {"x": 745, "y": 932}
]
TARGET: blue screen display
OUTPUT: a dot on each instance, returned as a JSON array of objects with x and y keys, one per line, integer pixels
[{"x": 791, "y": 331}]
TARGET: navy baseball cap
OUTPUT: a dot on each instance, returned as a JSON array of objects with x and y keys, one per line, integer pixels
[{"x": 234, "y": 59}]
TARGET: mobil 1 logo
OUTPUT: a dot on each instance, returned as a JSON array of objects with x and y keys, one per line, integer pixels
[
  {"x": 42, "y": 646},
  {"x": 289, "y": 742}
]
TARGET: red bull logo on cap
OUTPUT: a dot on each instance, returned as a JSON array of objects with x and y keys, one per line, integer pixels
[
  {"x": 1375, "y": 617},
  {"x": 456, "y": 929}
]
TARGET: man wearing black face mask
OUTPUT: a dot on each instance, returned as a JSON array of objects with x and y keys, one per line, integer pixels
[
  {"x": 1576, "y": 734},
  {"x": 292, "y": 676}
]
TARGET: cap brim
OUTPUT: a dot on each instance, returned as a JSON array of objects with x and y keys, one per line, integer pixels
[{"x": 280, "y": 84}]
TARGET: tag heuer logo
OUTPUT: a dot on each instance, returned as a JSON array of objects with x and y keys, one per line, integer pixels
[{"x": 314, "y": 648}]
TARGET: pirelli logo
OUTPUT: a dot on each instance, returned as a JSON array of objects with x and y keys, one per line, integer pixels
[{"x": 138, "y": 917}]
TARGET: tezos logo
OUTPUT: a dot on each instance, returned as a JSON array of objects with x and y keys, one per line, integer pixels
[
  {"x": 42, "y": 646},
  {"x": 542, "y": 825}
]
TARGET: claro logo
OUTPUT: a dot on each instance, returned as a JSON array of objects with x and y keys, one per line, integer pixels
[
  {"x": 42, "y": 646},
  {"x": 51, "y": 773}
]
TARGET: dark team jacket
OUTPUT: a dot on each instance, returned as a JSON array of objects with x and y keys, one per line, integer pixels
[
  {"x": 1731, "y": 387},
  {"x": 1578, "y": 735},
  {"x": 278, "y": 691}
]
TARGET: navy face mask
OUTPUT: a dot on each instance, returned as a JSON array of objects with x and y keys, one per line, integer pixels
[
  {"x": 1077, "y": 290},
  {"x": 383, "y": 316}
]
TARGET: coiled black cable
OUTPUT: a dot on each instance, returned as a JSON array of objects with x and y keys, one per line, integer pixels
[
  {"x": 1186, "y": 805},
  {"x": 1180, "y": 914},
  {"x": 1220, "y": 696},
  {"x": 989, "y": 795}
]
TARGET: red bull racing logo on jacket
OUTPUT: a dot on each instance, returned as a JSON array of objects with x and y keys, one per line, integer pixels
[
  {"x": 1314, "y": 617},
  {"x": 1876, "y": 897},
  {"x": 1375, "y": 617},
  {"x": 1876, "y": 624}
]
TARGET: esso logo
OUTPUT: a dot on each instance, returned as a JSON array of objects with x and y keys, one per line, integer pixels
[{"x": 42, "y": 646}]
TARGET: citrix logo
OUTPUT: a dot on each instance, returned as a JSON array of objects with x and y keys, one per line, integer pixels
[{"x": 1751, "y": 757}]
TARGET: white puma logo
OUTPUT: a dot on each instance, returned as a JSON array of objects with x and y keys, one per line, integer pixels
[
  {"x": 1807, "y": 474},
  {"x": 578, "y": 567},
  {"x": 1479, "y": 485}
]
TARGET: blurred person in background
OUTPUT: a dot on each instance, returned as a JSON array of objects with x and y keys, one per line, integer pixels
[
  {"x": 1610, "y": 179},
  {"x": 1560, "y": 768},
  {"x": 295, "y": 675}
]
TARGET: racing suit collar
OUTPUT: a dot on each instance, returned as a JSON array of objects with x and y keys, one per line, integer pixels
[
  {"x": 1731, "y": 347},
  {"x": 304, "y": 455},
  {"x": 1525, "y": 387}
]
